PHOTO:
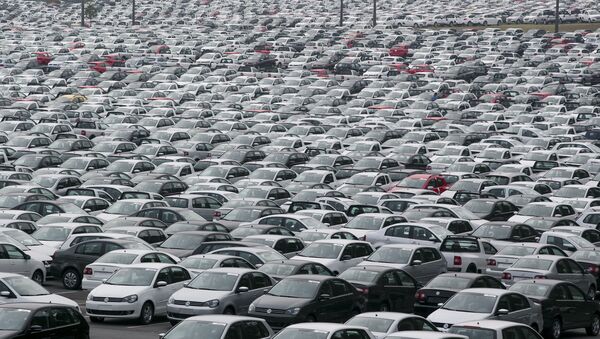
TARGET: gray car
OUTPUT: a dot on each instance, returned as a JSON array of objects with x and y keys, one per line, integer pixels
[
  {"x": 422, "y": 262},
  {"x": 218, "y": 291},
  {"x": 219, "y": 326},
  {"x": 551, "y": 267},
  {"x": 205, "y": 206},
  {"x": 287, "y": 245}
]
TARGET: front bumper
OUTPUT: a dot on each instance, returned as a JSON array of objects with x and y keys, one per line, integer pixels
[
  {"x": 113, "y": 310},
  {"x": 181, "y": 312}
]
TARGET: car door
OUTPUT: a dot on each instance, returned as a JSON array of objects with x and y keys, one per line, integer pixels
[
  {"x": 9, "y": 263},
  {"x": 519, "y": 309},
  {"x": 579, "y": 275},
  {"x": 561, "y": 297},
  {"x": 63, "y": 323},
  {"x": 431, "y": 266},
  {"x": 342, "y": 299},
  {"x": 86, "y": 253},
  {"x": 162, "y": 293}
]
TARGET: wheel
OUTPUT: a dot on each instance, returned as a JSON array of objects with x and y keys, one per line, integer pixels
[
  {"x": 96, "y": 319},
  {"x": 471, "y": 269},
  {"x": 229, "y": 310},
  {"x": 147, "y": 313},
  {"x": 594, "y": 328},
  {"x": 310, "y": 318},
  {"x": 555, "y": 330},
  {"x": 71, "y": 279},
  {"x": 592, "y": 293},
  {"x": 385, "y": 307},
  {"x": 38, "y": 277}
]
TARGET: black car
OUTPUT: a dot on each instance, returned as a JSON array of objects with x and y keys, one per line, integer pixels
[
  {"x": 184, "y": 244},
  {"x": 564, "y": 306},
  {"x": 492, "y": 209},
  {"x": 42, "y": 320},
  {"x": 444, "y": 286},
  {"x": 281, "y": 269},
  {"x": 307, "y": 298},
  {"x": 383, "y": 288},
  {"x": 506, "y": 231},
  {"x": 195, "y": 226},
  {"x": 69, "y": 263}
]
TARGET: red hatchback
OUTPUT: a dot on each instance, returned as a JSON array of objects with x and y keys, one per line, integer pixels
[{"x": 431, "y": 182}]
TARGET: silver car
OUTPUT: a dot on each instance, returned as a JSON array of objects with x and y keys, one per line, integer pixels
[
  {"x": 218, "y": 291},
  {"x": 551, "y": 267},
  {"x": 422, "y": 262},
  {"x": 507, "y": 256},
  {"x": 219, "y": 327},
  {"x": 474, "y": 304}
]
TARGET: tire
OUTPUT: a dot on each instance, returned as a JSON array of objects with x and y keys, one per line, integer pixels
[
  {"x": 147, "y": 313},
  {"x": 472, "y": 269},
  {"x": 594, "y": 328},
  {"x": 592, "y": 293},
  {"x": 38, "y": 277},
  {"x": 229, "y": 310},
  {"x": 71, "y": 279},
  {"x": 96, "y": 319},
  {"x": 554, "y": 331}
]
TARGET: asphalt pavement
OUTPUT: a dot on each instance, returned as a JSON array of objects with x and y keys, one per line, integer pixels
[{"x": 130, "y": 329}]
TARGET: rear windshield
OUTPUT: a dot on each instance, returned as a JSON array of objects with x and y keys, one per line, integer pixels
[{"x": 460, "y": 245}]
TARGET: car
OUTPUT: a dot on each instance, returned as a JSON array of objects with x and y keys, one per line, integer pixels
[
  {"x": 16, "y": 288},
  {"x": 421, "y": 262},
  {"x": 363, "y": 224},
  {"x": 424, "y": 335},
  {"x": 18, "y": 319},
  {"x": 487, "y": 303},
  {"x": 498, "y": 328},
  {"x": 383, "y": 289},
  {"x": 17, "y": 258},
  {"x": 96, "y": 272},
  {"x": 408, "y": 233},
  {"x": 308, "y": 236},
  {"x": 507, "y": 256},
  {"x": 336, "y": 254},
  {"x": 556, "y": 297},
  {"x": 278, "y": 270},
  {"x": 186, "y": 243},
  {"x": 139, "y": 292},
  {"x": 255, "y": 254},
  {"x": 289, "y": 246},
  {"x": 218, "y": 291},
  {"x": 550, "y": 267},
  {"x": 466, "y": 253},
  {"x": 385, "y": 323},
  {"x": 198, "y": 263},
  {"x": 220, "y": 327},
  {"x": 313, "y": 296},
  {"x": 55, "y": 234}
]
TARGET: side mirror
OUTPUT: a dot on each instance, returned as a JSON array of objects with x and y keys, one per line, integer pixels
[
  {"x": 91, "y": 168},
  {"x": 161, "y": 284},
  {"x": 346, "y": 257},
  {"x": 87, "y": 209},
  {"x": 136, "y": 171},
  {"x": 440, "y": 304},
  {"x": 416, "y": 263},
  {"x": 324, "y": 296},
  {"x": 26, "y": 256},
  {"x": 104, "y": 281},
  {"x": 160, "y": 154},
  {"x": 5, "y": 294},
  {"x": 35, "y": 328},
  {"x": 502, "y": 311},
  {"x": 243, "y": 289}
]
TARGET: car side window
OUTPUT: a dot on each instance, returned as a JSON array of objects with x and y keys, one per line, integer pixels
[
  {"x": 390, "y": 279},
  {"x": 511, "y": 332},
  {"x": 488, "y": 248},
  {"x": 562, "y": 266},
  {"x": 260, "y": 280},
  {"x": 246, "y": 281},
  {"x": 164, "y": 275},
  {"x": 576, "y": 294},
  {"x": 59, "y": 317},
  {"x": 179, "y": 274},
  {"x": 40, "y": 319},
  {"x": 575, "y": 268},
  {"x": 91, "y": 248},
  {"x": 405, "y": 279},
  {"x": 254, "y": 330},
  {"x": 517, "y": 302}
]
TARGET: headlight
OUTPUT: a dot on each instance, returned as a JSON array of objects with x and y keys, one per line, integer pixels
[
  {"x": 251, "y": 308},
  {"x": 90, "y": 296},
  {"x": 47, "y": 263},
  {"x": 212, "y": 303},
  {"x": 171, "y": 300},
  {"x": 131, "y": 299},
  {"x": 293, "y": 311}
]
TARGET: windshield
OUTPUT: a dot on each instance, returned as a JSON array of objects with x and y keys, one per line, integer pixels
[
  {"x": 182, "y": 241},
  {"x": 517, "y": 251},
  {"x": 531, "y": 289},
  {"x": 451, "y": 283},
  {"x": 362, "y": 222},
  {"x": 473, "y": 332},
  {"x": 243, "y": 214},
  {"x": 322, "y": 250},
  {"x": 120, "y": 166},
  {"x": 52, "y": 233},
  {"x": 311, "y": 236},
  {"x": 471, "y": 302},
  {"x": 124, "y": 207},
  {"x": 301, "y": 333},
  {"x": 361, "y": 179},
  {"x": 586, "y": 255},
  {"x": 277, "y": 269},
  {"x": 360, "y": 275},
  {"x": 24, "y": 286},
  {"x": 192, "y": 327},
  {"x": 198, "y": 263},
  {"x": 45, "y": 181},
  {"x": 214, "y": 281},
  {"x": 132, "y": 277},
  {"x": 391, "y": 255},
  {"x": 533, "y": 264},
  {"x": 413, "y": 182},
  {"x": 22, "y": 237},
  {"x": 116, "y": 258},
  {"x": 373, "y": 324},
  {"x": 295, "y": 288},
  {"x": 13, "y": 319},
  {"x": 75, "y": 163},
  {"x": 493, "y": 231}
]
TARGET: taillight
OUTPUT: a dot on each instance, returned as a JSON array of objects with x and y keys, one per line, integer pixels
[
  {"x": 216, "y": 214},
  {"x": 428, "y": 168},
  {"x": 363, "y": 290},
  {"x": 420, "y": 296},
  {"x": 491, "y": 262},
  {"x": 82, "y": 132},
  {"x": 457, "y": 261},
  {"x": 594, "y": 269},
  {"x": 540, "y": 277},
  {"x": 186, "y": 153},
  {"x": 506, "y": 276},
  {"x": 88, "y": 271}
]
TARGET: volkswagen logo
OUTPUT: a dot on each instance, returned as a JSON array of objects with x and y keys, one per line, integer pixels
[
  {"x": 269, "y": 311},
  {"x": 437, "y": 293},
  {"x": 187, "y": 303},
  {"x": 446, "y": 326},
  {"x": 105, "y": 300}
]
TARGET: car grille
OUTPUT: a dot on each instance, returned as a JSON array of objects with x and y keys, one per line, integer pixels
[
  {"x": 273, "y": 310},
  {"x": 102, "y": 312},
  {"x": 110, "y": 300},
  {"x": 191, "y": 303},
  {"x": 441, "y": 325}
]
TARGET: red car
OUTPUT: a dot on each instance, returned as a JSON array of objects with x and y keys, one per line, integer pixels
[
  {"x": 431, "y": 182},
  {"x": 43, "y": 58},
  {"x": 399, "y": 50}
]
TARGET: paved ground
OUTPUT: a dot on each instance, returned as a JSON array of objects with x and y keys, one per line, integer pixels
[{"x": 111, "y": 329}]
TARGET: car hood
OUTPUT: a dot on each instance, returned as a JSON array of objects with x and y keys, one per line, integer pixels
[
  {"x": 357, "y": 232},
  {"x": 55, "y": 244},
  {"x": 50, "y": 298},
  {"x": 280, "y": 303},
  {"x": 108, "y": 216},
  {"x": 43, "y": 249},
  {"x": 176, "y": 252},
  {"x": 443, "y": 316},
  {"x": 190, "y": 294},
  {"x": 323, "y": 261},
  {"x": 117, "y": 291}
]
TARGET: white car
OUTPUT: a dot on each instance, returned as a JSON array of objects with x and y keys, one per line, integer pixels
[
  {"x": 408, "y": 233},
  {"x": 15, "y": 288},
  {"x": 336, "y": 254},
  {"x": 495, "y": 328},
  {"x": 466, "y": 253},
  {"x": 136, "y": 292},
  {"x": 127, "y": 207},
  {"x": 567, "y": 242},
  {"x": 16, "y": 258},
  {"x": 324, "y": 331},
  {"x": 364, "y": 224},
  {"x": 101, "y": 269},
  {"x": 384, "y": 323},
  {"x": 55, "y": 234}
]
